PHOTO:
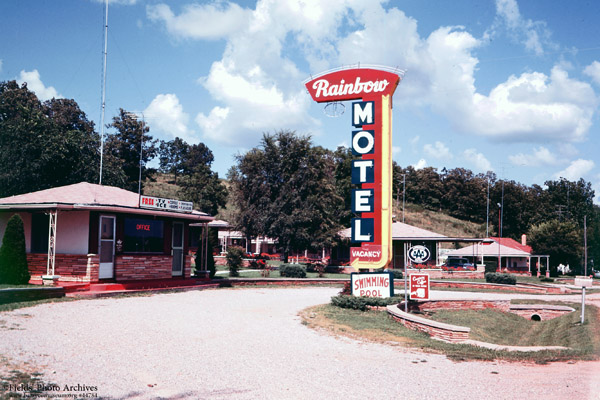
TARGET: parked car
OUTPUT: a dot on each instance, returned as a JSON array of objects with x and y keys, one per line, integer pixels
[{"x": 458, "y": 264}]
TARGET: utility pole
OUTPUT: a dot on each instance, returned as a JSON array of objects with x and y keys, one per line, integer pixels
[
  {"x": 403, "y": 194},
  {"x": 585, "y": 245},
  {"x": 502, "y": 209},
  {"x": 487, "y": 214},
  {"x": 134, "y": 114}
]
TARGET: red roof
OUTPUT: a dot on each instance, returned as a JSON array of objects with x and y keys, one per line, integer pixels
[
  {"x": 513, "y": 244},
  {"x": 86, "y": 195}
]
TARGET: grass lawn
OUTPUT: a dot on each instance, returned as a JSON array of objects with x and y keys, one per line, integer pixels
[
  {"x": 487, "y": 325},
  {"x": 3, "y": 286}
]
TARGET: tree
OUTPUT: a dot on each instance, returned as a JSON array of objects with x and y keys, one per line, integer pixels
[
  {"x": 172, "y": 155},
  {"x": 285, "y": 189},
  {"x": 562, "y": 241},
  {"x": 199, "y": 183},
  {"x": 122, "y": 152},
  {"x": 13, "y": 259},
  {"x": 569, "y": 201},
  {"x": 593, "y": 240},
  {"x": 43, "y": 145},
  {"x": 234, "y": 259},
  {"x": 342, "y": 158}
]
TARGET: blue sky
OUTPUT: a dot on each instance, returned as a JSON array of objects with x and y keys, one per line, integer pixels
[{"x": 508, "y": 86}]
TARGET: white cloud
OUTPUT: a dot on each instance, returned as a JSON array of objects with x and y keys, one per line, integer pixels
[
  {"x": 531, "y": 107},
  {"x": 422, "y": 163},
  {"x": 165, "y": 114},
  {"x": 396, "y": 150},
  {"x": 253, "y": 105},
  {"x": 577, "y": 169},
  {"x": 596, "y": 187},
  {"x": 593, "y": 71},
  {"x": 207, "y": 21},
  {"x": 481, "y": 163},
  {"x": 35, "y": 84},
  {"x": 0, "y": 65},
  {"x": 438, "y": 150},
  {"x": 540, "y": 156},
  {"x": 534, "y": 35},
  {"x": 274, "y": 47}
]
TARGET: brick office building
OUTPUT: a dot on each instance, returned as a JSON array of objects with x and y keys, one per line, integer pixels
[{"x": 90, "y": 233}]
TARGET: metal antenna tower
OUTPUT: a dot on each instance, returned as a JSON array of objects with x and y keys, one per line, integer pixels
[{"x": 103, "y": 88}]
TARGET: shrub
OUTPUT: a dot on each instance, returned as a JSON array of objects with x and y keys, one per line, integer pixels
[
  {"x": 506, "y": 279},
  {"x": 292, "y": 271},
  {"x": 544, "y": 279},
  {"x": 491, "y": 266},
  {"x": 13, "y": 259},
  {"x": 361, "y": 303},
  {"x": 347, "y": 290},
  {"x": 234, "y": 259}
]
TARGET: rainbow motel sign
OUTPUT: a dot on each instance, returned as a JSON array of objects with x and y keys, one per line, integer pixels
[{"x": 372, "y": 90}]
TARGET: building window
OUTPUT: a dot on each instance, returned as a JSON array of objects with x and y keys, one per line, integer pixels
[
  {"x": 39, "y": 233},
  {"x": 143, "y": 236}
]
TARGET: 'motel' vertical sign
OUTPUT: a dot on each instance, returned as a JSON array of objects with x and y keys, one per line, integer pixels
[{"x": 372, "y": 140}]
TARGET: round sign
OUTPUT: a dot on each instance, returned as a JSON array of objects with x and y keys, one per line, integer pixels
[{"x": 419, "y": 254}]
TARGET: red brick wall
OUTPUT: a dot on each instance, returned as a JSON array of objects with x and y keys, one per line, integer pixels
[
  {"x": 140, "y": 267},
  {"x": 84, "y": 268},
  {"x": 70, "y": 267},
  {"x": 545, "y": 312},
  {"x": 458, "y": 305},
  {"x": 439, "y": 333},
  {"x": 440, "y": 274}
]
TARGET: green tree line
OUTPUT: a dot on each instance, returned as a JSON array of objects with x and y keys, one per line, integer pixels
[
  {"x": 286, "y": 187},
  {"x": 53, "y": 143}
]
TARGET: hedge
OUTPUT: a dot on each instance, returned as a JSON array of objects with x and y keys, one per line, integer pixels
[
  {"x": 506, "y": 279},
  {"x": 362, "y": 303},
  {"x": 292, "y": 271}
]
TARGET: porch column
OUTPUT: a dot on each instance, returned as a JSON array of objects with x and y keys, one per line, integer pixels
[{"x": 50, "y": 278}]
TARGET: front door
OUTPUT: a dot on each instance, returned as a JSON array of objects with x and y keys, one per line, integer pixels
[
  {"x": 107, "y": 247},
  {"x": 177, "y": 248}
]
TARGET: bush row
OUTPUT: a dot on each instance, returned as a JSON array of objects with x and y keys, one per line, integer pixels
[
  {"x": 362, "y": 303},
  {"x": 506, "y": 279}
]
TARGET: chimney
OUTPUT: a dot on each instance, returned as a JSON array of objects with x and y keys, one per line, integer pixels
[{"x": 524, "y": 240}]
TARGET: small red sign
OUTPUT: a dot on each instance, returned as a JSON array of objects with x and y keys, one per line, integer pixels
[
  {"x": 367, "y": 252},
  {"x": 418, "y": 286}
]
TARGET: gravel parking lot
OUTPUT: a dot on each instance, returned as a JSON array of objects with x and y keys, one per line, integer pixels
[{"x": 250, "y": 344}]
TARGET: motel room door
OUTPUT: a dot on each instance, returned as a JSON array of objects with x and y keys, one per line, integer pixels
[
  {"x": 177, "y": 248},
  {"x": 107, "y": 247}
]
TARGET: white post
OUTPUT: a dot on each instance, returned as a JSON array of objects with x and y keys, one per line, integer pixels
[
  {"x": 50, "y": 277},
  {"x": 582, "y": 304}
]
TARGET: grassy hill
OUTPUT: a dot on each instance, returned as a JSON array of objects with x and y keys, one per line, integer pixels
[
  {"x": 165, "y": 187},
  {"x": 439, "y": 222}
]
